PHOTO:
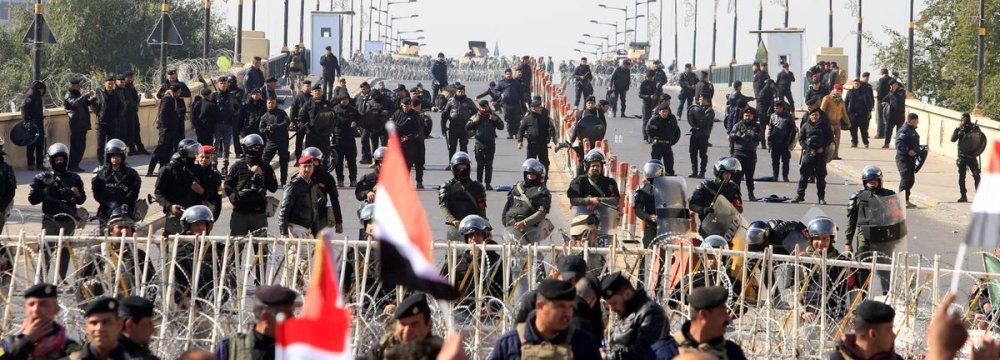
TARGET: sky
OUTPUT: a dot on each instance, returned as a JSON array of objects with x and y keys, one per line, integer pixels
[{"x": 553, "y": 27}]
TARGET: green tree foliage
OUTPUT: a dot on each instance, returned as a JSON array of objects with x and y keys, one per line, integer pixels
[
  {"x": 945, "y": 50},
  {"x": 103, "y": 37}
]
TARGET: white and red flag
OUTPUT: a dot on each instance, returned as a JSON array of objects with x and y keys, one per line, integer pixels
[
  {"x": 984, "y": 227},
  {"x": 322, "y": 330}
]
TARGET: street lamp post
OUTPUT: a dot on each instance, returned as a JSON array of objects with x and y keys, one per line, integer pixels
[
  {"x": 163, "y": 40},
  {"x": 857, "y": 67},
  {"x": 760, "y": 20},
  {"x": 302, "y": 23},
  {"x": 694, "y": 42},
  {"x": 830, "y": 17},
  {"x": 378, "y": 35},
  {"x": 284, "y": 44},
  {"x": 659, "y": 37},
  {"x": 208, "y": 28},
  {"x": 606, "y": 41},
  {"x": 677, "y": 56},
  {"x": 615, "y": 35},
  {"x": 909, "y": 56},
  {"x": 786, "y": 13},
  {"x": 625, "y": 25},
  {"x": 715, "y": 32},
  {"x": 979, "y": 59},
  {"x": 735, "y": 22},
  {"x": 238, "y": 56},
  {"x": 253, "y": 15}
]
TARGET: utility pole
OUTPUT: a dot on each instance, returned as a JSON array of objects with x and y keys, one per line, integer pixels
[
  {"x": 715, "y": 33},
  {"x": 284, "y": 44},
  {"x": 302, "y": 23},
  {"x": 857, "y": 63},
  {"x": 238, "y": 57},
  {"x": 677, "y": 57},
  {"x": 979, "y": 60},
  {"x": 909, "y": 56},
  {"x": 830, "y": 16},
  {"x": 253, "y": 15},
  {"x": 735, "y": 22},
  {"x": 163, "y": 36},
  {"x": 694, "y": 42},
  {"x": 760, "y": 20},
  {"x": 786, "y": 13},
  {"x": 208, "y": 28},
  {"x": 36, "y": 47},
  {"x": 659, "y": 37}
]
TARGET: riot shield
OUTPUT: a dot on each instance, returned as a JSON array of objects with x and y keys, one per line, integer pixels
[
  {"x": 795, "y": 240},
  {"x": 729, "y": 223},
  {"x": 590, "y": 127},
  {"x": 670, "y": 197},
  {"x": 973, "y": 142},
  {"x": 609, "y": 215},
  {"x": 887, "y": 221},
  {"x": 922, "y": 154}
]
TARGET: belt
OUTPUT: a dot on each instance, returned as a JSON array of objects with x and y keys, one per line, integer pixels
[{"x": 659, "y": 141}]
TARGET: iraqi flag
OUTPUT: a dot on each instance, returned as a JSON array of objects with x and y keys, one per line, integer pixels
[
  {"x": 402, "y": 229},
  {"x": 984, "y": 229},
  {"x": 322, "y": 330}
]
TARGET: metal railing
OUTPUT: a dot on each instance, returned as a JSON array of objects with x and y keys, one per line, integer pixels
[{"x": 770, "y": 294}]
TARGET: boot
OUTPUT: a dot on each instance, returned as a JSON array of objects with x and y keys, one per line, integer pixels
[
  {"x": 694, "y": 174},
  {"x": 963, "y": 198},
  {"x": 799, "y": 198},
  {"x": 752, "y": 198},
  {"x": 822, "y": 202}
]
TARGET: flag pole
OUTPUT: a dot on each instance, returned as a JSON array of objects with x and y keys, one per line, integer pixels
[{"x": 959, "y": 262}]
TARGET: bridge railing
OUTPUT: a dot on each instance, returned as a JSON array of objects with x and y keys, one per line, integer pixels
[{"x": 785, "y": 306}]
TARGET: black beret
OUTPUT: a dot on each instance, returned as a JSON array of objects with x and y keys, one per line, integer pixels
[
  {"x": 257, "y": 58},
  {"x": 552, "y": 289},
  {"x": 650, "y": 73},
  {"x": 459, "y": 87},
  {"x": 536, "y": 103},
  {"x": 413, "y": 305},
  {"x": 206, "y": 92},
  {"x": 74, "y": 81},
  {"x": 708, "y": 297},
  {"x": 307, "y": 82},
  {"x": 662, "y": 107},
  {"x": 344, "y": 96},
  {"x": 812, "y": 100},
  {"x": 874, "y": 312},
  {"x": 611, "y": 283},
  {"x": 271, "y": 79},
  {"x": 136, "y": 307},
  {"x": 507, "y": 70},
  {"x": 665, "y": 97},
  {"x": 129, "y": 73},
  {"x": 171, "y": 72},
  {"x": 109, "y": 78},
  {"x": 275, "y": 295},
  {"x": 401, "y": 87},
  {"x": 814, "y": 111},
  {"x": 43, "y": 290},
  {"x": 865, "y": 74},
  {"x": 365, "y": 84},
  {"x": 591, "y": 99},
  {"x": 484, "y": 103},
  {"x": 602, "y": 102},
  {"x": 572, "y": 267},
  {"x": 224, "y": 78},
  {"x": 317, "y": 87},
  {"x": 102, "y": 305}
]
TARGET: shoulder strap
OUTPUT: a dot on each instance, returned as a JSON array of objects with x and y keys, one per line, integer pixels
[
  {"x": 598, "y": 188},
  {"x": 520, "y": 333},
  {"x": 523, "y": 197}
]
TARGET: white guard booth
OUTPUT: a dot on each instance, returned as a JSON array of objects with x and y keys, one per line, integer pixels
[
  {"x": 785, "y": 44},
  {"x": 327, "y": 30}
]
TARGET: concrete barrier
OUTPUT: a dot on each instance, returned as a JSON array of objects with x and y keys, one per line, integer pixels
[{"x": 938, "y": 123}]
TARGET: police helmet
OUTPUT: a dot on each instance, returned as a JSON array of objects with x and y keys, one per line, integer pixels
[
  {"x": 367, "y": 212},
  {"x": 533, "y": 166},
  {"x": 472, "y": 224},
  {"x": 757, "y": 232},
  {"x": 653, "y": 169},
  {"x": 195, "y": 214},
  {"x": 459, "y": 158},
  {"x": 871, "y": 172},
  {"x": 729, "y": 164},
  {"x": 115, "y": 147},
  {"x": 594, "y": 155},
  {"x": 822, "y": 226},
  {"x": 314, "y": 152},
  {"x": 379, "y": 154},
  {"x": 714, "y": 242},
  {"x": 252, "y": 141},
  {"x": 58, "y": 149},
  {"x": 188, "y": 148}
]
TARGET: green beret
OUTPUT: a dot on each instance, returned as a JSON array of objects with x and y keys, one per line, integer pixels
[{"x": 708, "y": 297}]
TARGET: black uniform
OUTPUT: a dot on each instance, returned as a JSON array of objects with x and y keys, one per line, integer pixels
[
  {"x": 373, "y": 135},
  {"x": 454, "y": 117},
  {"x": 17, "y": 347},
  {"x": 965, "y": 160},
  {"x": 295, "y": 114},
  {"x": 78, "y": 109},
  {"x": 328, "y": 199},
  {"x": 907, "y": 139},
  {"x": 53, "y": 191},
  {"x": 299, "y": 206},
  {"x": 894, "y": 112},
  {"x": 780, "y": 139},
  {"x": 621, "y": 80},
  {"x": 32, "y": 111},
  {"x": 109, "y": 107},
  {"x": 483, "y": 128},
  {"x": 250, "y": 114},
  {"x": 701, "y": 119},
  {"x": 765, "y": 106},
  {"x": 759, "y": 78},
  {"x": 227, "y": 125},
  {"x": 663, "y": 133},
  {"x": 253, "y": 346},
  {"x": 410, "y": 129},
  {"x": 458, "y": 199},
  {"x": 131, "y": 134},
  {"x": 784, "y": 85},
  {"x": 366, "y": 185},
  {"x": 813, "y": 138},
  {"x": 348, "y": 121},
  {"x": 744, "y": 139},
  {"x": 687, "y": 82},
  {"x": 274, "y": 130},
  {"x": 603, "y": 188},
  {"x": 8, "y": 186},
  {"x": 319, "y": 120},
  {"x": 703, "y": 197},
  {"x": 538, "y": 130},
  {"x": 584, "y": 88},
  {"x": 468, "y": 275},
  {"x": 210, "y": 180},
  {"x": 204, "y": 117},
  {"x": 881, "y": 90},
  {"x": 528, "y": 201},
  {"x": 512, "y": 98},
  {"x": 871, "y": 237},
  {"x": 641, "y": 326},
  {"x": 170, "y": 126},
  {"x": 247, "y": 192},
  {"x": 173, "y": 187},
  {"x": 650, "y": 97},
  {"x": 859, "y": 103},
  {"x": 115, "y": 187}
]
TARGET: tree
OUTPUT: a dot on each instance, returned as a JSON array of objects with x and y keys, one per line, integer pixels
[
  {"x": 97, "y": 38},
  {"x": 945, "y": 50}
]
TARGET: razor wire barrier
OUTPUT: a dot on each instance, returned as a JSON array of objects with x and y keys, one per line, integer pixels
[
  {"x": 419, "y": 68},
  {"x": 770, "y": 293}
]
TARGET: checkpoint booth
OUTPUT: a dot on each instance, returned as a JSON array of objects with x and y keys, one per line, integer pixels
[
  {"x": 326, "y": 29},
  {"x": 785, "y": 45}
]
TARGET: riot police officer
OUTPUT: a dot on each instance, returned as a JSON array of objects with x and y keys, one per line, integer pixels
[
  {"x": 175, "y": 185},
  {"x": 194, "y": 220},
  {"x": 703, "y": 198},
  {"x": 643, "y": 320},
  {"x": 593, "y": 189},
  {"x": 461, "y": 196},
  {"x": 8, "y": 186},
  {"x": 822, "y": 233},
  {"x": 476, "y": 230},
  {"x": 874, "y": 239},
  {"x": 328, "y": 190},
  {"x": 483, "y": 127},
  {"x": 643, "y": 200},
  {"x": 365, "y": 190},
  {"x": 348, "y": 122},
  {"x": 528, "y": 203},
  {"x": 115, "y": 183},
  {"x": 536, "y": 127},
  {"x": 295, "y": 113},
  {"x": 701, "y": 117},
  {"x": 454, "y": 117},
  {"x": 780, "y": 138},
  {"x": 815, "y": 137},
  {"x": 772, "y": 233},
  {"x": 250, "y": 114},
  {"x": 59, "y": 191},
  {"x": 247, "y": 184},
  {"x": 319, "y": 120},
  {"x": 274, "y": 129},
  {"x": 591, "y": 127},
  {"x": 663, "y": 133},
  {"x": 968, "y": 134},
  {"x": 743, "y": 139},
  {"x": 298, "y": 214},
  {"x": 209, "y": 180},
  {"x": 907, "y": 151},
  {"x": 410, "y": 129},
  {"x": 374, "y": 108}
]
